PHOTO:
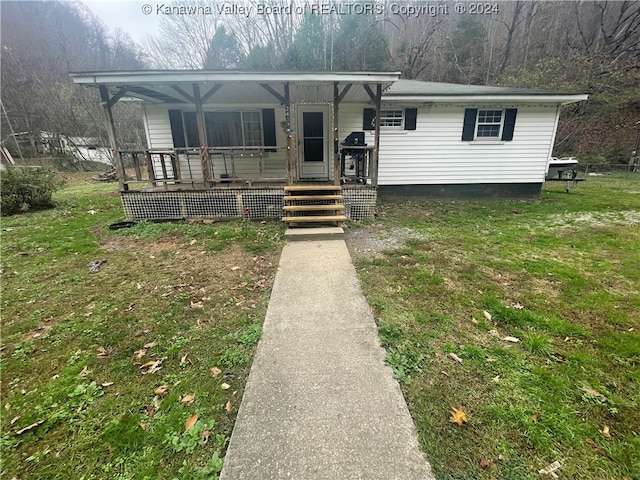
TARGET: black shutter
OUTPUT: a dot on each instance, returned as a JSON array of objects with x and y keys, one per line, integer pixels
[
  {"x": 369, "y": 119},
  {"x": 509, "y": 124},
  {"x": 177, "y": 128},
  {"x": 469, "y": 126},
  {"x": 191, "y": 129},
  {"x": 269, "y": 127},
  {"x": 410, "y": 118}
]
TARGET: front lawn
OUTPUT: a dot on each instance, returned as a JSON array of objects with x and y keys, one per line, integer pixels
[
  {"x": 525, "y": 316},
  {"x": 136, "y": 370}
]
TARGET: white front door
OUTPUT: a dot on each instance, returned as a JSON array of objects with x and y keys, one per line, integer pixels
[{"x": 313, "y": 146}]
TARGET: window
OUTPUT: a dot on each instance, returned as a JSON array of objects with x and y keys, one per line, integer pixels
[
  {"x": 252, "y": 128},
  {"x": 391, "y": 118},
  {"x": 396, "y": 119},
  {"x": 233, "y": 129},
  {"x": 489, "y": 124}
]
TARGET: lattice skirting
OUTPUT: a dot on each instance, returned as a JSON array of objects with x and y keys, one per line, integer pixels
[{"x": 230, "y": 203}]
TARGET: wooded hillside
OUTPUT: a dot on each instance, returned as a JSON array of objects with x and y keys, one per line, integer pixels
[{"x": 580, "y": 46}]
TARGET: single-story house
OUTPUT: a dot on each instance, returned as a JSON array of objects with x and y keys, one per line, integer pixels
[{"x": 274, "y": 143}]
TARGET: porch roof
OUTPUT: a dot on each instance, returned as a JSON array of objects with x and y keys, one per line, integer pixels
[{"x": 236, "y": 86}]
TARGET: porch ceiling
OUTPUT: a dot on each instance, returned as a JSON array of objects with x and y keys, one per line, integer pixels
[{"x": 237, "y": 87}]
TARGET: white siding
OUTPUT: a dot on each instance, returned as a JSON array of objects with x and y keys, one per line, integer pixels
[
  {"x": 246, "y": 166},
  {"x": 435, "y": 154},
  {"x": 158, "y": 126}
]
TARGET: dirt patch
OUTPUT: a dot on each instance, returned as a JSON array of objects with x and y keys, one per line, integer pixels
[{"x": 373, "y": 240}]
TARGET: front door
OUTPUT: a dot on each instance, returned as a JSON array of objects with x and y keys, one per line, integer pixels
[{"x": 313, "y": 151}]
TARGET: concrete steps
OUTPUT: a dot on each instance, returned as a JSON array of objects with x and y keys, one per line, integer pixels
[{"x": 313, "y": 204}]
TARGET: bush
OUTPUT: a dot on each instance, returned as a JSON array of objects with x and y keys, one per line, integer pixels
[{"x": 27, "y": 187}]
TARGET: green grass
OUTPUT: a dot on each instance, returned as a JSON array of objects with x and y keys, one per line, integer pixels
[
  {"x": 72, "y": 341},
  {"x": 562, "y": 275}
]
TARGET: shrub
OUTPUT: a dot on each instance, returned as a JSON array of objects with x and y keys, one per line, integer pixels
[{"x": 30, "y": 187}]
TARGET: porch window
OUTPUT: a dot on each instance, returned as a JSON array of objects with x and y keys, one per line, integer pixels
[
  {"x": 489, "y": 124},
  {"x": 233, "y": 129}
]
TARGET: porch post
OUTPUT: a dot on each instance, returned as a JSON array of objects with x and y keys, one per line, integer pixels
[
  {"x": 202, "y": 138},
  {"x": 336, "y": 139},
  {"x": 292, "y": 167},
  {"x": 111, "y": 131},
  {"x": 376, "y": 143}
]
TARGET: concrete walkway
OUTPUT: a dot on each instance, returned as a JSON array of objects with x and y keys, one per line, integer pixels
[{"x": 319, "y": 402}]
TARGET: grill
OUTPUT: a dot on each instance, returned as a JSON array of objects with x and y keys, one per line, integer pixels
[{"x": 353, "y": 158}]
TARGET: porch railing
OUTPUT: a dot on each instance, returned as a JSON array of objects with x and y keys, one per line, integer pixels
[{"x": 180, "y": 168}]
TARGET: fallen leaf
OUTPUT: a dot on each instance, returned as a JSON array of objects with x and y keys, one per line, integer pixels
[
  {"x": 204, "y": 436},
  {"x": 458, "y": 416},
  {"x": 484, "y": 463},
  {"x": 143, "y": 426},
  {"x": 196, "y": 305},
  {"x": 151, "y": 367},
  {"x": 493, "y": 333},
  {"x": 474, "y": 321},
  {"x": 228, "y": 406},
  {"x": 444, "y": 373},
  {"x": 517, "y": 306},
  {"x": 7, "y": 406},
  {"x": 191, "y": 421},
  {"x": 107, "y": 384},
  {"x": 161, "y": 390},
  {"x": 501, "y": 457},
  {"x": 496, "y": 378},
  {"x": 487, "y": 315},
  {"x": 85, "y": 371},
  {"x": 233, "y": 269},
  {"x": 15, "y": 419},
  {"x": 215, "y": 371},
  {"x": 551, "y": 469},
  {"x": 150, "y": 344},
  {"x": 193, "y": 242},
  {"x": 455, "y": 357},
  {"x": 593, "y": 392},
  {"x": 188, "y": 399},
  {"x": 102, "y": 352},
  {"x": 33, "y": 425},
  {"x": 534, "y": 418},
  {"x": 185, "y": 359},
  {"x": 225, "y": 386},
  {"x": 511, "y": 339},
  {"x": 140, "y": 353},
  {"x": 605, "y": 432}
]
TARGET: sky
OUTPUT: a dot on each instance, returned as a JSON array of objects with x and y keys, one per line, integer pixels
[{"x": 126, "y": 15}]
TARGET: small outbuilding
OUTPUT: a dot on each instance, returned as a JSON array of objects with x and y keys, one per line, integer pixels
[{"x": 322, "y": 146}]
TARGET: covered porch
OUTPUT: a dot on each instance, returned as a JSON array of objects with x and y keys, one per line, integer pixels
[{"x": 227, "y": 143}]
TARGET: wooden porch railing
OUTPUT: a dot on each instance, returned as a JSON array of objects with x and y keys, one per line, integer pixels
[{"x": 180, "y": 168}]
